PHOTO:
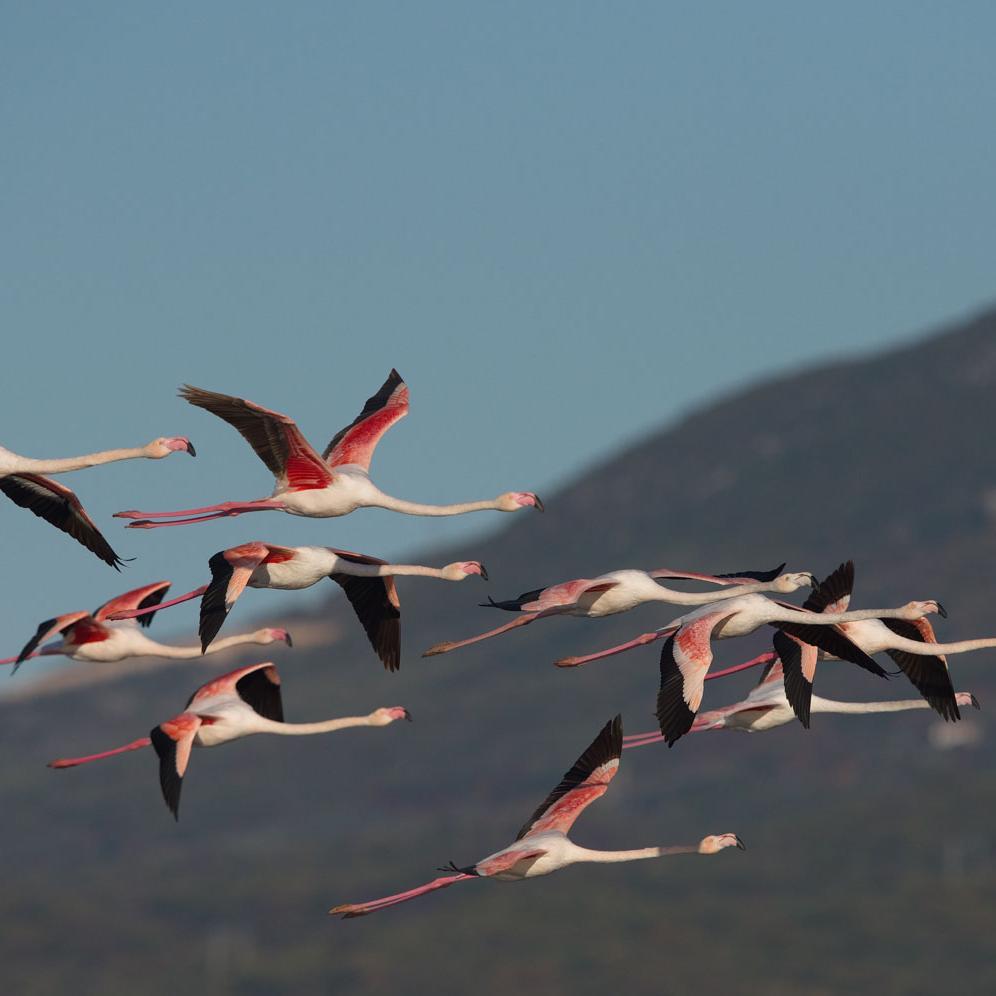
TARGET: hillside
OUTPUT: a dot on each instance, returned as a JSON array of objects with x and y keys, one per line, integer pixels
[{"x": 871, "y": 855}]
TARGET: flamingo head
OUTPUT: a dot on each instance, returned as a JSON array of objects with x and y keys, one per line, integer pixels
[
  {"x": 917, "y": 610},
  {"x": 792, "y": 582},
  {"x": 967, "y": 699},
  {"x": 463, "y": 569},
  {"x": 389, "y": 714},
  {"x": 276, "y": 636},
  {"x": 710, "y": 845},
  {"x": 512, "y": 501},
  {"x": 164, "y": 445}
]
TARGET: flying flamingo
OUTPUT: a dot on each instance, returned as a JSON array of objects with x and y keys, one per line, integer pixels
[
  {"x": 542, "y": 845},
  {"x": 238, "y": 704},
  {"x": 22, "y": 481},
  {"x": 687, "y": 654},
  {"x": 335, "y": 483},
  {"x": 620, "y": 591},
  {"x": 95, "y": 637},
  {"x": 367, "y": 582},
  {"x": 767, "y": 707},
  {"x": 910, "y": 643}
]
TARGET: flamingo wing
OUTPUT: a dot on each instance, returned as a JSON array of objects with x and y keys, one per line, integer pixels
[
  {"x": 224, "y": 684},
  {"x": 586, "y": 781},
  {"x": 928, "y": 673},
  {"x": 376, "y": 604},
  {"x": 739, "y": 577},
  {"x": 833, "y": 593},
  {"x": 139, "y": 598},
  {"x": 59, "y": 506},
  {"x": 45, "y": 631},
  {"x": 798, "y": 662},
  {"x": 507, "y": 860},
  {"x": 259, "y": 688},
  {"x": 356, "y": 443},
  {"x": 277, "y": 440},
  {"x": 173, "y": 741},
  {"x": 230, "y": 573}
]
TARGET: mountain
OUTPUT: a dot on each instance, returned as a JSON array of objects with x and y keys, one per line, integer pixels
[{"x": 871, "y": 850}]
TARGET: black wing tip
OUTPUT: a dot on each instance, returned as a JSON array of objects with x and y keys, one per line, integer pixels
[
  {"x": 756, "y": 575},
  {"x": 169, "y": 781},
  {"x": 674, "y": 717}
]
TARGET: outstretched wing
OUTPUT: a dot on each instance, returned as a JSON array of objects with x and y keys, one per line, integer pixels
[
  {"x": 45, "y": 631},
  {"x": 928, "y": 673},
  {"x": 259, "y": 688},
  {"x": 375, "y": 602},
  {"x": 225, "y": 684},
  {"x": 173, "y": 741},
  {"x": 582, "y": 785},
  {"x": 738, "y": 577},
  {"x": 356, "y": 443},
  {"x": 277, "y": 440},
  {"x": 59, "y": 506},
  {"x": 833, "y": 593},
  {"x": 140, "y": 598},
  {"x": 230, "y": 573},
  {"x": 798, "y": 664}
]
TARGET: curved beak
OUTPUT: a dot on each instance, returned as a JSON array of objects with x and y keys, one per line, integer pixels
[
  {"x": 539, "y": 506},
  {"x": 190, "y": 448},
  {"x": 287, "y": 639},
  {"x": 941, "y": 611},
  {"x": 484, "y": 572},
  {"x": 812, "y": 581},
  {"x": 741, "y": 845},
  {"x": 975, "y": 703},
  {"x": 408, "y": 716}
]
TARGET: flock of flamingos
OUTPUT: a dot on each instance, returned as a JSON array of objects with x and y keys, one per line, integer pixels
[{"x": 248, "y": 699}]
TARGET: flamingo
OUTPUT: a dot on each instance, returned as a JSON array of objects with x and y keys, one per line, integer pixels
[
  {"x": 620, "y": 591},
  {"x": 910, "y": 643},
  {"x": 368, "y": 584},
  {"x": 238, "y": 704},
  {"x": 542, "y": 845},
  {"x": 96, "y": 637},
  {"x": 687, "y": 655},
  {"x": 767, "y": 707},
  {"x": 22, "y": 481},
  {"x": 335, "y": 483}
]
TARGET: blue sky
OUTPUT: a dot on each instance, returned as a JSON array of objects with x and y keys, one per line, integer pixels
[{"x": 563, "y": 223}]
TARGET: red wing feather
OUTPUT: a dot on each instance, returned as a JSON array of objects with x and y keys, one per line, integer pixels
[
  {"x": 276, "y": 439},
  {"x": 581, "y": 786},
  {"x": 356, "y": 443},
  {"x": 139, "y": 598},
  {"x": 59, "y": 506}
]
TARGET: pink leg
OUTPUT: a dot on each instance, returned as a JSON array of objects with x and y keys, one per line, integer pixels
[
  {"x": 348, "y": 910},
  {"x": 658, "y": 634},
  {"x": 44, "y": 652},
  {"x": 197, "y": 514},
  {"x": 761, "y": 659},
  {"x": 704, "y": 721},
  {"x": 523, "y": 620},
  {"x": 71, "y": 762},
  {"x": 135, "y": 613}
]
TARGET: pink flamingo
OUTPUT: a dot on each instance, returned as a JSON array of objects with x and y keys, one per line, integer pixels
[
  {"x": 336, "y": 483},
  {"x": 687, "y": 655},
  {"x": 238, "y": 704},
  {"x": 767, "y": 707},
  {"x": 22, "y": 481},
  {"x": 96, "y": 637},
  {"x": 368, "y": 584},
  {"x": 620, "y": 591},
  {"x": 542, "y": 845},
  {"x": 910, "y": 643}
]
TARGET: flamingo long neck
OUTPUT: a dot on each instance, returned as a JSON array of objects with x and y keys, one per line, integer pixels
[
  {"x": 830, "y": 705},
  {"x": 673, "y": 597},
  {"x": 417, "y": 508},
  {"x": 823, "y": 618},
  {"x": 305, "y": 729},
  {"x": 64, "y": 464},
  {"x": 914, "y": 647},
  {"x": 393, "y": 570},
  {"x": 608, "y": 857},
  {"x": 153, "y": 649}
]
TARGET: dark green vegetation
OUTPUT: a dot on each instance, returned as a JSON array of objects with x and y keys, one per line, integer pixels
[{"x": 871, "y": 862}]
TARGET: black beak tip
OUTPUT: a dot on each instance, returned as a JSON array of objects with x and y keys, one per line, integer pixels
[
  {"x": 540, "y": 507},
  {"x": 288, "y": 640},
  {"x": 941, "y": 611},
  {"x": 484, "y": 572},
  {"x": 741, "y": 846},
  {"x": 408, "y": 716},
  {"x": 191, "y": 450},
  {"x": 975, "y": 703}
]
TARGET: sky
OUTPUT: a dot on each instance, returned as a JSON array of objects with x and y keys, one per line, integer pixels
[{"x": 565, "y": 224}]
